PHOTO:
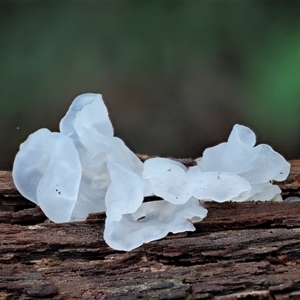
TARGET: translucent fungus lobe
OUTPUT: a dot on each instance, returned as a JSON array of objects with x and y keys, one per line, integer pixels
[{"x": 47, "y": 171}]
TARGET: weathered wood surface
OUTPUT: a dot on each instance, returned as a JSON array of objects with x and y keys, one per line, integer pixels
[{"x": 240, "y": 251}]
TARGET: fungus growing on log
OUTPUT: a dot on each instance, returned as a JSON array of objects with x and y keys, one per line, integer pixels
[{"x": 84, "y": 169}]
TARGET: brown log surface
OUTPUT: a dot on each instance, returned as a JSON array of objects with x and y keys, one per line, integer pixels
[{"x": 240, "y": 251}]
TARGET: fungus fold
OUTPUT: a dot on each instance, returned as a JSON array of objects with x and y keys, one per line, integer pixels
[{"x": 84, "y": 168}]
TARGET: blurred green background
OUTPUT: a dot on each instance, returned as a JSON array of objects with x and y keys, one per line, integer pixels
[{"x": 176, "y": 76}]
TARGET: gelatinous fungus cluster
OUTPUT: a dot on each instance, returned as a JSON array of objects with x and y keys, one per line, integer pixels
[{"x": 84, "y": 168}]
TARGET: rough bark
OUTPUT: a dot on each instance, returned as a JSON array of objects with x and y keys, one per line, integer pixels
[{"x": 240, "y": 251}]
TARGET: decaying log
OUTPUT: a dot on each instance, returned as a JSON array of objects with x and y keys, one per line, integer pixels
[{"x": 240, "y": 251}]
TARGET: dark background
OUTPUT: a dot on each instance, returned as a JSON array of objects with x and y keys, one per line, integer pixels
[{"x": 175, "y": 76}]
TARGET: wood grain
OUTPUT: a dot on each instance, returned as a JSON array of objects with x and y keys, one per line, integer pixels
[{"x": 240, "y": 251}]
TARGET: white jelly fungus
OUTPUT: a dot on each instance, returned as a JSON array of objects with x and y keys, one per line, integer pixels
[
  {"x": 257, "y": 164},
  {"x": 84, "y": 169},
  {"x": 168, "y": 179},
  {"x": 47, "y": 171},
  {"x": 152, "y": 221}
]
